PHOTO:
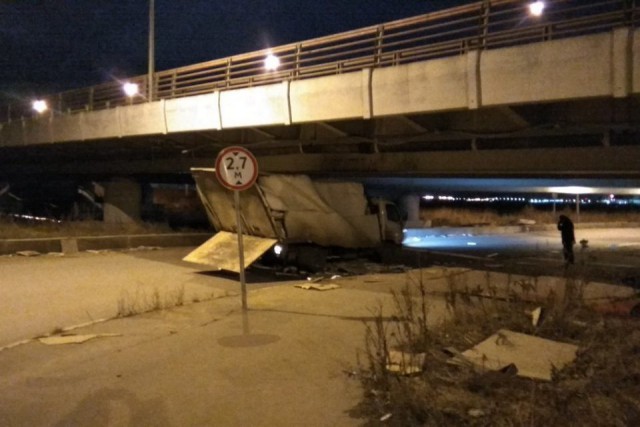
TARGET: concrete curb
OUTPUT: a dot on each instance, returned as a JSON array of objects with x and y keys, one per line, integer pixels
[{"x": 84, "y": 243}]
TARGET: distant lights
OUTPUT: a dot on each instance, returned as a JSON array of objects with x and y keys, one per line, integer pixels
[
  {"x": 130, "y": 89},
  {"x": 271, "y": 62},
  {"x": 536, "y": 8},
  {"x": 40, "y": 106},
  {"x": 571, "y": 189}
]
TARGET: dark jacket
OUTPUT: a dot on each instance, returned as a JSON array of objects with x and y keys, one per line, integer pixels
[{"x": 566, "y": 230}]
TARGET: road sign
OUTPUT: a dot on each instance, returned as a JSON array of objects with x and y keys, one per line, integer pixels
[{"x": 236, "y": 168}]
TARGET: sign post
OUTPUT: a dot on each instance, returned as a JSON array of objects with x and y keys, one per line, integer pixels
[{"x": 237, "y": 170}]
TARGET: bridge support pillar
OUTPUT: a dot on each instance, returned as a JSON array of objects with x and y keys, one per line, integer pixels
[
  {"x": 411, "y": 205},
  {"x": 122, "y": 201}
]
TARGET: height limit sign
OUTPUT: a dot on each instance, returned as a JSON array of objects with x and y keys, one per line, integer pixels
[{"x": 236, "y": 168}]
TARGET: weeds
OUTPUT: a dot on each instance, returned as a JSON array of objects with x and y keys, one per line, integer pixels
[
  {"x": 601, "y": 387},
  {"x": 21, "y": 229},
  {"x": 443, "y": 216},
  {"x": 141, "y": 302}
]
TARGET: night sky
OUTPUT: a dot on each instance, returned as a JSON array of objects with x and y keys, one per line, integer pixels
[{"x": 48, "y": 46}]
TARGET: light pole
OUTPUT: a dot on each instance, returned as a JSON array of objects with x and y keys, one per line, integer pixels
[{"x": 152, "y": 31}]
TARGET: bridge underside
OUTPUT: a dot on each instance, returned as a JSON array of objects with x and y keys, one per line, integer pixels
[{"x": 585, "y": 138}]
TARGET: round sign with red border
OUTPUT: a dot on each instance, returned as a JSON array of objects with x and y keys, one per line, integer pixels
[{"x": 236, "y": 168}]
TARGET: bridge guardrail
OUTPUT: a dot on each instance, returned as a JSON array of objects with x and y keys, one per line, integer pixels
[{"x": 487, "y": 24}]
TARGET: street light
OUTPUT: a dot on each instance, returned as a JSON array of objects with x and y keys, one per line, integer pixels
[
  {"x": 536, "y": 8},
  {"x": 130, "y": 89},
  {"x": 271, "y": 62},
  {"x": 40, "y": 106}
]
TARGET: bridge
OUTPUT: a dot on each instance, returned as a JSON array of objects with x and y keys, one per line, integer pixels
[{"x": 482, "y": 90}]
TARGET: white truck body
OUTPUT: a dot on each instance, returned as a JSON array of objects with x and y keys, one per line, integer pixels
[{"x": 294, "y": 209}]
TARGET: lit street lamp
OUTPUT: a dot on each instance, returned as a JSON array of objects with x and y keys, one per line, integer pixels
[
  {"x": 536, "y": 8},
  {"x": 130, "y": 89},
  {"x": 271, "y": 62},
  {"x": 40, "y": 106}
]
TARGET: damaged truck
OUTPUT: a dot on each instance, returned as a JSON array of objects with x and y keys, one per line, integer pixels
[{"x": 293, "y": 220}]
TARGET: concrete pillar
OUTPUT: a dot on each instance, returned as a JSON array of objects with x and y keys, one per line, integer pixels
[
  {"x": 122, "y": 201},
  {"x": 411, "y": 205}
]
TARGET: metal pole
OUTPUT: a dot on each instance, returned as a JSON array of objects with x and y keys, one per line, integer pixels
[
  {"x": 152, "y": 60},
  {"x": 243, "y": 284},
  {"x": 578, "y": 206}
]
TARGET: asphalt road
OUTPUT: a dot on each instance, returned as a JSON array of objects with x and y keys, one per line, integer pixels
[
  {"x": 288, "y": 361},
  {"x": 610, "y": 255}
]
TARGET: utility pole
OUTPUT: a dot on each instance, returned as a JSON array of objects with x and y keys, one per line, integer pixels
[{"x": 152, "y": 60}]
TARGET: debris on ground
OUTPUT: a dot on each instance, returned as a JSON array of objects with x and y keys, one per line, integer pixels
[
  {"x": 28, "y": 253},
  {"x": 72, "y": 338},
  {"x": 317, "y": 286},
  {"x": 385, "y": 417},
  {"x": 537, "y": 315},
  {"x": 624, "y": 308},
  {"x": 144, "y": 248},
  {"x": 534, "y": 357},
  {"x": 405, "y": 363}
]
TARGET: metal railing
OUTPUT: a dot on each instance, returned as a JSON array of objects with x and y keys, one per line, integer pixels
[{"x": 487, "y": 24}]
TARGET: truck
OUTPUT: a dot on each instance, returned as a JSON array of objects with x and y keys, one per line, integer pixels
[{"x": 292, "y": 220}]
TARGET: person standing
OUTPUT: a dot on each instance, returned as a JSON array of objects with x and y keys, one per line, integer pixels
[{"x": 565, "y": 225}]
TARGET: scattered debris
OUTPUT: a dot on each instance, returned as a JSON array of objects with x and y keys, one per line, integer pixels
[
  {"x": 98, "y": 251},
  {"x": 625, "y": 308},
  {"x": 536, "y": 316},
  {"x": 55, "y": 254},
  {"x": 72, "y": 338},
  {"x": 317, "y": 287},
  {"x": 145, "y": 248},
  {"x": 494, "y": 265},
  {"x": 28, "y": 253},
  {"x": 584, "y": 244},
  {"x": 385, "y": 417},
  {"x": 495, "y": 254},
  {"x": 476, "y": 413},
  {"x": 534, "y": 357},
  {"x": 405, "y": 363}
]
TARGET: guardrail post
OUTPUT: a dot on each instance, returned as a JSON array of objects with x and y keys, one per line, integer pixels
[
  {"x": 174, "y": 82},
  {"x": 228, "y": 73},
  {"x": 90, "y": 100},
  {"x": 629, "y": 7},
  {"x": 379, "y": 45},
  {"x": 296, "y": 68},
  {"x": 484, "y": 25}
]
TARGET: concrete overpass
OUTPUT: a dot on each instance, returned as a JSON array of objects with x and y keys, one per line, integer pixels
[{"x": 483, "y": 90}]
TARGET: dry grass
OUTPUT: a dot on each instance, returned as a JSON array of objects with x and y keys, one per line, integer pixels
[
  {"x": 138, "y": 302},
  {"x": 10, "y": 229},
  {"x": 600, "y": 388},
  {"x": 464, "y": 216}
]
